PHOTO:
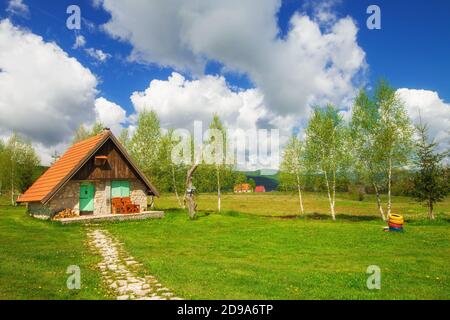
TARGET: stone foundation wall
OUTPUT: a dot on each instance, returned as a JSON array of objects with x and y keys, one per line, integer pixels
[
  {"x": 138, "y": 194},
  {"x": 69, "y": 197},
  {"x": 38, "y": 209},
  {"x": 102, "y": 197}
]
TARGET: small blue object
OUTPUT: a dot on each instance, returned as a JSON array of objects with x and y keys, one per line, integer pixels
[{"x": 395, "y": 229}]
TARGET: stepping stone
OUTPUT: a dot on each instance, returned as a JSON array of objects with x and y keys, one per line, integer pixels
[{"x": 121, "y": 283}]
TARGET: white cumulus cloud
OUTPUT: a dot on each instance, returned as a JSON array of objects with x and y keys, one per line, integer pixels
[
  {"x": 308, "y": 65},
  {"x": 433, "y": 111},
  {"x": 45, "y": 94},
  {"x": 110, "y": 114},
  {"x": 179, "y": 102}
]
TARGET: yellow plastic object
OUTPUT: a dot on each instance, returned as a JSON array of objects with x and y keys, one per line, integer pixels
[{"x": 396, "y": 218}]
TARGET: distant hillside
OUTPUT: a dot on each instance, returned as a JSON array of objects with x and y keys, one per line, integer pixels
[{"x": 269, "y": 181}]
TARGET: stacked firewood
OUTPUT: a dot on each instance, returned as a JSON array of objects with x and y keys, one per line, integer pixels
[{"x": 66, "y": 213}]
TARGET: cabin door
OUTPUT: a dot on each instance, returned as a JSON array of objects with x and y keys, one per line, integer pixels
[{"x": 87, "y": 196}]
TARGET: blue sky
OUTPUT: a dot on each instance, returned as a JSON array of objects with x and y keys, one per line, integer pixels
[{"x": 411, "y": 51}]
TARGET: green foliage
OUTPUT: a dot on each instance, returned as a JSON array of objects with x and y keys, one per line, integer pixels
[
  {"x": 240, "y": 177},
  {"x": 124, "y": 138},
  {"x": 18, "y": 164},
  {"x": 430, "y": 182},
  {"x": 327, "y": 148},
  {"x": 365, "y": 128},
  {"x": 292, "y": 166},
  {"x": 327, "y": 142},
  {"x": 83, "y": 133},
  {"x": 381, "y": 133},
  {"x": 145, "y": 146},
  {"x": 252, "y": 183},
  {"x": 394, "y": 135}
]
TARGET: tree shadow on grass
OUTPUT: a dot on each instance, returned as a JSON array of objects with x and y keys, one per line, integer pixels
[{"x": 342, "y": 216}]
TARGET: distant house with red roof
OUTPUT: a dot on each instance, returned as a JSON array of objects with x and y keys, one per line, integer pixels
[
  {"x": 242, "y": 187},
  {"x": 260, "y": 189}
]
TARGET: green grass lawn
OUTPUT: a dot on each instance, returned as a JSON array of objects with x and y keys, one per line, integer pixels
[
  {"x": 241, "y": 255},
  {"x": 34, "y": 256},
  {"x": 235, "y": 256}
]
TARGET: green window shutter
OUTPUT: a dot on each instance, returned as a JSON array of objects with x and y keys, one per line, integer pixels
[
  {"x": 125, "y": 189},
  {"x": 116, "y": 189},
  {"x": 120, "y": 188}
]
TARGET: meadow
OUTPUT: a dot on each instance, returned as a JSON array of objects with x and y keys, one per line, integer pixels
[
  {"x": 256, "y": 248},
  {"x": 35, "y": 255},
  {"x": 280, "y": 204}
]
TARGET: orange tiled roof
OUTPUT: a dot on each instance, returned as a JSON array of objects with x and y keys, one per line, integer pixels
[
  {"x": 61, "y": 169},
  {"x": 242, "y": 187}
]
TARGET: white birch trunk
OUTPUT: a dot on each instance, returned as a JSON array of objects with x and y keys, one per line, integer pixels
[
  {"x": 218, "y": 189},
  {"x": 333, "y": 216},
  {"x": 389, "y": 186},
  {"x": 12, "y": 184},
  {"x": 380, "y": 207},
  {"x": 300, "y": 195}
]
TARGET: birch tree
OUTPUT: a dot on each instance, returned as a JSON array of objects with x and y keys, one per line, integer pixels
[
  {"x": 2, "y": 165},
  {"x": 144, "y": 146},
  {"x": 217, "y": 149},
  {"x": 326, "y": 148},
  {"x": 19, "y": 164},
  {"x": 83, "y": 133},
  {"x": 365, "y": 130},
  {"x": 170, "y": 169},
  {"x": 394, "y": 139},
  {"x": 292, "y": 166},
  {"x": 124, "y": 138}
]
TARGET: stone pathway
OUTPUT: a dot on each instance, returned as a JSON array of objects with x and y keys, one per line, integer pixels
[{"x": 119, "y": 270}]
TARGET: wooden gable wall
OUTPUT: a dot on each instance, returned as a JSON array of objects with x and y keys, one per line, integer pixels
[{"x": 116, "y": 166}]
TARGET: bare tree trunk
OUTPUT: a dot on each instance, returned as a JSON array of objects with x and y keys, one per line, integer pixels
[
  {"x": 389, "y": 186},
  {"x": 334, "y": 190},
  {"x": 329, "y": 196},
  {"x": 218, "y": 189},
  {"x": 300, "y": 195},
  {"x": 175, "y": 187},
  {"x": 152, "y": 202},
  {"x": 12, "y": 185},
  {"x": 380, "y": 207},
  {"x": 430, "y": 210},
  {"x": 190, "y": 196}
]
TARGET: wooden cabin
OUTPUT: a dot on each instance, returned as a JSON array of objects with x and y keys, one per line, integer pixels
[{"x": 95, "y": 176}]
